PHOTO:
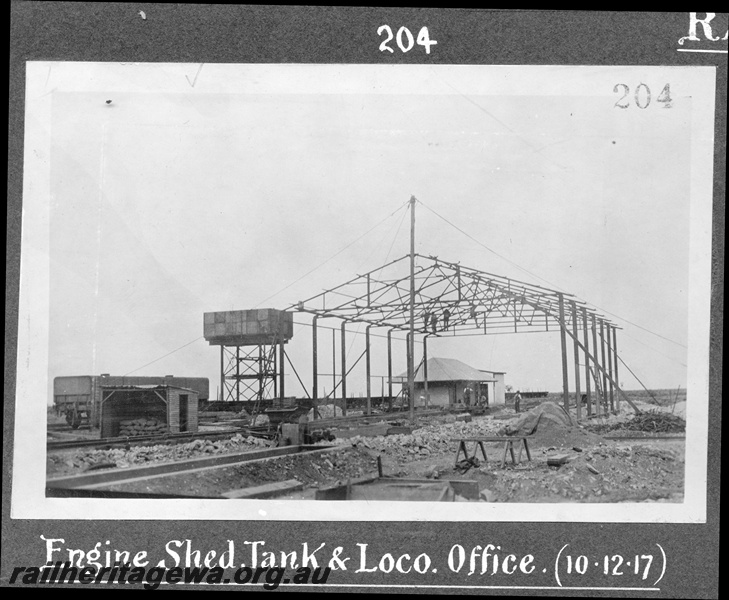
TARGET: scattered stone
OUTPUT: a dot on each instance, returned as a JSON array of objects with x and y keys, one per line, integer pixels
[{"x": 557, "y": 460}]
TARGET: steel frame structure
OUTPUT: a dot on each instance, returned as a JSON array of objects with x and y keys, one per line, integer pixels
[
  {"x": 248, "y": 373},
  {"x": 438, "y": 298}
]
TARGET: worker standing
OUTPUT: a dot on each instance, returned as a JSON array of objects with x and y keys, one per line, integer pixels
[
  {"x": 446, "y": 317},
  {"x": 517, "y": 401},
  {"x": 467, "y": 396}
]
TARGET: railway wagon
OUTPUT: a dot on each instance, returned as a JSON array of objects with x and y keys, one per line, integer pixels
[{"x": 78, "y": 397}]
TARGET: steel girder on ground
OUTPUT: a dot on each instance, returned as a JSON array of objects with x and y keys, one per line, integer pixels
[{"x": 450, "y": 299}]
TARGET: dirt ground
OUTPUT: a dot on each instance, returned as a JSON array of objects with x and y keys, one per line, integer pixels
[{"x": 598, "y": 469}]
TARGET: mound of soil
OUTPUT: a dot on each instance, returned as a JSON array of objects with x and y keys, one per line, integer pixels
[
  {"x": 545, "y": 416},
  {"x": 550, "y": 425}
]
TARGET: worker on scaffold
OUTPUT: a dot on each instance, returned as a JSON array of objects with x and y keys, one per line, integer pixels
[
  {"x": 473, "y": 314},
  {"x": 446, "y": 318}
]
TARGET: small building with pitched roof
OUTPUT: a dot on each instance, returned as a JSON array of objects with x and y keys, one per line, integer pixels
[{"x": 449, "y": 378}]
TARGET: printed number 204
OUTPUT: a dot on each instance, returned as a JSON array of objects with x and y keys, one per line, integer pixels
[
  {"x": 404, "y": 39},
  {"x": 642, "y": 96}
]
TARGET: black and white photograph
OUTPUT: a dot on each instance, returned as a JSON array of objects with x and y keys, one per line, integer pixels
[
  {"x": 420, "y": 318},
  {"x": 315, "y": 283}
]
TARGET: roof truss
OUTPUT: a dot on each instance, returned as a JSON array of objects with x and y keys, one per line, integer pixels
[{"x": 450, "y": 299}]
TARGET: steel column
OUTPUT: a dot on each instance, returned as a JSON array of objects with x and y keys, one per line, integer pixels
[
  {"x": 615, "y": 383},
  {"x": 563, "y": 341},
  {"x": 275, "y": 370},
  {"x": 410, "y": 361},
  {"x": 602, "y": 353},
  {"x": 281, "y": 369},
  {"x": 315, "y": 371},
  {"x": 367, "y": 366},
  {"x": 411, "y": 341},
  {"x": 585, "y": 337},
  {"x": 261, "y": 371},
  {"x": 425, "y": 369},
  {"x": 615, "y": 352},
  {"x": 344, "y": 369},
  {"x": 237, "y": 373},
  {"x": 578, "y": 397},
  {"x": 598, "y": 392},
  {"x": 389, "y": 368},
  {"x": 610, "y": 365},
  {"x": 334, "y": 372},
  {"x": 222, "y": 372}
]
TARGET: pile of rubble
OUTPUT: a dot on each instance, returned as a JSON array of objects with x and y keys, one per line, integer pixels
[
  {"x": 160, "y": 453},
  {"x": 606, "y": 473},
  {"x": 435, "y": 438},
  {"x": 547, "y": 424},
  {"x": 653, "y": 421}
]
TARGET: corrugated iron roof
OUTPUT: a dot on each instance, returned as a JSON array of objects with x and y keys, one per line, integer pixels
[{"x": 448, "y": 369}]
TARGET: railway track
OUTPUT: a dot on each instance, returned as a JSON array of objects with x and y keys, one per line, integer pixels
[
  {"x": 389, "y": 416},
  {"x": 262, "y": 431}
]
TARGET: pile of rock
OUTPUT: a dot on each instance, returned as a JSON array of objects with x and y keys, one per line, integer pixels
[
  {"x": 142, "y": 426},
  {"x": 435, "y": 438},
  {"x": 654, "y": 421},
  {"x": 139, "y": 455}
]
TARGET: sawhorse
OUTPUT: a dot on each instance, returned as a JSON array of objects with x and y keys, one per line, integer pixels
[{"x": 508, "y": 442}]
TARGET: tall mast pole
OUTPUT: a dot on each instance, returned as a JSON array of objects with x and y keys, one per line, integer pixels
[{"x": 411, "y": 341}]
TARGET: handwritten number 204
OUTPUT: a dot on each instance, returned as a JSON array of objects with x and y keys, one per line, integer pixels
[
  {"x": 642, "y": 96},
  {"x": 404, "y": 39}
]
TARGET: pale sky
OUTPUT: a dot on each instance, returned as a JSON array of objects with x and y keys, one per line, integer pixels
[{"x": 174, "y": 200}]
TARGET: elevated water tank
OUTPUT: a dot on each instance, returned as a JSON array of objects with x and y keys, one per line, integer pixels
[{"x": 254, "y": 327}]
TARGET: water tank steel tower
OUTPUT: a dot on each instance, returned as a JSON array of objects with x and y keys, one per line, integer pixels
[{"x": 251, "y": 351}]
